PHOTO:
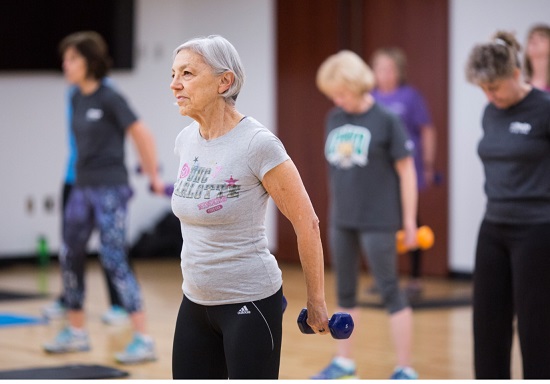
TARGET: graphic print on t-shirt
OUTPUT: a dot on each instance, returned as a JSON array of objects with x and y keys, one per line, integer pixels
[
  {"x": 347, "y": 146},
  {"x": 201, "y": 183}
]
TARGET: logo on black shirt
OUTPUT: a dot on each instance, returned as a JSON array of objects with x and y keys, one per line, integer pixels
[
  {"x": 94, "y": 114},
  {"x": 520, "y": 128}
]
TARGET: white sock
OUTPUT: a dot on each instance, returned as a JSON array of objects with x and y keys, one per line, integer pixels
[
  {"x": 77, "y": 331},
  {"x": 143, "y": 337},
  {"x": 345, "y": 363},
  {"x": 407, "y": 369}
]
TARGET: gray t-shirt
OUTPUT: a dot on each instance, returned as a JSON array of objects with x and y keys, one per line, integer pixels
[
  {"x": 515, "y": 151},
  {"x": 221, "y": 203},
  {"x": 99, "y": 123},
  {"x": 361, "y": 150}
]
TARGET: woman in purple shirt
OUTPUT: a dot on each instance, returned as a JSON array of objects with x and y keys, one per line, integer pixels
[
  {"x": 537, "y": 57},
  {"x": 393, "y": 92}
]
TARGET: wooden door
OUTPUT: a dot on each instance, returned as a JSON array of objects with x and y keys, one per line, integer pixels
[{"x": 310, "y": 30}]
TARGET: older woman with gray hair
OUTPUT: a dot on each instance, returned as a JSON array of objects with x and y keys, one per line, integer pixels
[
  {"x": 230, "y": 320},
  {"x": 512, "y": 261}
]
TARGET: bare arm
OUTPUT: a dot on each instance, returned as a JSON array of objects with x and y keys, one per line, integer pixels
[
  {"x": 145, "y": 145},
  {"x": 409, "y": 197},
  {"x": 284, "y": 185},
  {"x": 428, "y": 137}
]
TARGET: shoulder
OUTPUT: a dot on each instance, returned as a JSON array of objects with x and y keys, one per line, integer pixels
[
  {"x": 257, "y": 133},
  {"x": 336, "y": 115},
  {"x": 186, "y": 132},
  {"x": 254, "y": 127},
  {"x": 411, "y": 93},
  {"x": 109, "y": 93},
  {"x": 381, "y": 111},
  {"x": 540, "y": 96},
  {"x": 336, "y": 111}
]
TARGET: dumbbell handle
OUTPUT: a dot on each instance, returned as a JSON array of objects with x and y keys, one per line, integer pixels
[
  {"x": 424, "y": 239},
  {"x": 168, "y": 190},
  {"x": 340, "y": 324}
]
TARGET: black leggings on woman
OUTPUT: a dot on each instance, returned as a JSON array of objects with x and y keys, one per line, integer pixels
[
  {"x": 236, "y": 341},
  {"x": 512, "y": 278}
]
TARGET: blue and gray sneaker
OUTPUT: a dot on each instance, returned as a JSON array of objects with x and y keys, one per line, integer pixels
[
  {"x": 335, "y": 371},
  {"x": 55, "y": 310},
  {"x": 140, "y": 350},
  {"x": 404, "y": 373},
  {"x": 68, "y": 340},
  {"x": 116, "y": 315}
]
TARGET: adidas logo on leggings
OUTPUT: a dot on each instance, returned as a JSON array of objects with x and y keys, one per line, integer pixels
[{"x": 243, "y": 311}]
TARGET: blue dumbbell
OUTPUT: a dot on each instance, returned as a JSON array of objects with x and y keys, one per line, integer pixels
[
  {"x": 340, "y": 324},
  {"x": 285, "y": 303}
]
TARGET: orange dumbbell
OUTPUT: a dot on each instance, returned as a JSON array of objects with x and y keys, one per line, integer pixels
[{"x": 424, "y": 239}]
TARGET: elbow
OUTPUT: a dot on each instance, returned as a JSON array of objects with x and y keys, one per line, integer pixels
[
  {"x": 314, "y": 224},
  {"x": 307, "y": 226}
]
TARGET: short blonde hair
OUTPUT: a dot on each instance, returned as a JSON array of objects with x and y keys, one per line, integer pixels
[{"x": 346, "y": 69}]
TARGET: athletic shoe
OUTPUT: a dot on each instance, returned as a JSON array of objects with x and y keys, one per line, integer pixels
[
  {"x": 335, "y": 371},
  {"x": 404, "y": 373},
  {"x": 139, "y": 350},
  {"x": 67, "y": 340},
  {"x": 116, "y": 315},
  {"x": 55, "y": 310}
]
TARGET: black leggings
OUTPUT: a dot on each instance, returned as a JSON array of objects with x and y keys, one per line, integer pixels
[
  {"x": 236, "y": 341},
  {"x": 512, "y": 278}
]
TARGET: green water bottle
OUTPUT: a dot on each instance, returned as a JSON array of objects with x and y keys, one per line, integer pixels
[{"x": 43, "y": 262}]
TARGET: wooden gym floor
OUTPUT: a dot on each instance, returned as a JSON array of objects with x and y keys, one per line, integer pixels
[{"x": 442, "y": 336}]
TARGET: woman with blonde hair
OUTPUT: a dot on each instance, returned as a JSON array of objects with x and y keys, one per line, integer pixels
[{"x": 372, "y": 195}]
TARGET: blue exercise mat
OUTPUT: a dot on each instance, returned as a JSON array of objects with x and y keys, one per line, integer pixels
[{"x": 12, "y": 320}]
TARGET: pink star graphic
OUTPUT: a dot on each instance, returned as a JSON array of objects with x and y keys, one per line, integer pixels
[{"x": 231, "y": 181}]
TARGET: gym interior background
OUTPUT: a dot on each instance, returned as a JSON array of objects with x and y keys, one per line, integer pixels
[{"x": 281, "y": 44}]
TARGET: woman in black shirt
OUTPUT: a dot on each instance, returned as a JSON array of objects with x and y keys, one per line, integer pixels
[{"x": 512, "y": 268}]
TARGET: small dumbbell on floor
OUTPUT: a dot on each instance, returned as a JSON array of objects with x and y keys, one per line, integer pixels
[{"x": 340, "y": 324}]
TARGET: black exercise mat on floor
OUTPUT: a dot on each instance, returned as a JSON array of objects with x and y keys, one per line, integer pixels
[
  {"x": 11, "y": 295},
  {"x": 424, "y": 302},
  {"x": 73, "y": 371}
]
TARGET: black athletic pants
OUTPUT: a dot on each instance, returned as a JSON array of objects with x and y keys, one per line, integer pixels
[
  {"x": 512, "y": 278},
  {"x": 235, "y": 341}
]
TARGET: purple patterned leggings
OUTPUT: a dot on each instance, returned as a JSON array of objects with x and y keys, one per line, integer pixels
[{"x": 104, "y": 208}]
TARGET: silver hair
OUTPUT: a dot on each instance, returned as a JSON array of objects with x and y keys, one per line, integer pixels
[{"x": 221, "y": 56}]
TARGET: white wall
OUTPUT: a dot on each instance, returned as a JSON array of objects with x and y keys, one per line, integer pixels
[
  {"x": 32, "y": 127},
  {"x": 472, "y": 22},
  {"x": 33, "y": 146}
]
